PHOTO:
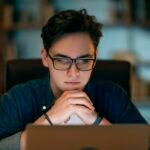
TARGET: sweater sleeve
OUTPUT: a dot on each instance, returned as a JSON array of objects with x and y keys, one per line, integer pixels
[
  {"x": 22, "y": 105},
  {"x": 113, "y": 103},
  {"x": 122, "y": 109},
  {"x": 9, "y": 116},
  {"x": 11, "y": 142},
  {"x": 15, "y": 111}
]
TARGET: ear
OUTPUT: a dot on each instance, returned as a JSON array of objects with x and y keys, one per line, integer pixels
[
  {"x": 97, "y": 53},
  {"x": 96, "y": 56},
  {"x": 44, "y": 57}
]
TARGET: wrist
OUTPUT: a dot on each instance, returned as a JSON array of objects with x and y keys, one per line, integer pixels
[
  {"x": 47, "y": 118},
  {"x": 105, "y": 122},
  {"x": 97, "y": 120}
]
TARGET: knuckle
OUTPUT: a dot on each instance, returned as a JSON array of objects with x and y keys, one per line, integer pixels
[
  {"x": 65, "y": 93},
  {"x": 71, "y": 107},
  {"x": 69, "y": 100}
]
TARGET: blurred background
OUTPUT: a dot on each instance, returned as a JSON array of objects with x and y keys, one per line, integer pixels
[{"x": 126, "y": 35}]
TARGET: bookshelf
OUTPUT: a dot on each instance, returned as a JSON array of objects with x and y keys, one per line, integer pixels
[{"x": 17, "y": 16}]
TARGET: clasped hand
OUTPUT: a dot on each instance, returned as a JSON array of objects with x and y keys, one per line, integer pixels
[{"x": 72, "y": 102}]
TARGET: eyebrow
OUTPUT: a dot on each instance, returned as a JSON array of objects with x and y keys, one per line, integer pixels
[{"x": 82, "y": 56}]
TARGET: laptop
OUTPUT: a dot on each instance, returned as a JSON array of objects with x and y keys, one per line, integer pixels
[{"x": 114, "y": 137}]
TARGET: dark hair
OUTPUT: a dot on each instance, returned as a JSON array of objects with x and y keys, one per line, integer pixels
[{"x": 67, "y": 22}]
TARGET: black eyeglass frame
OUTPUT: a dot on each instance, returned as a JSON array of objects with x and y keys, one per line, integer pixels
[{"x": 73, "y": 61}]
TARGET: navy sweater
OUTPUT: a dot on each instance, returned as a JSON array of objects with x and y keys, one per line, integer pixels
[{"x": 23, "y": 104}]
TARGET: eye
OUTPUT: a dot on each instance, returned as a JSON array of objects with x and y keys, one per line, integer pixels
[
  {"x": 83, "y": 61},
  {"x": 62, "y": 60}
]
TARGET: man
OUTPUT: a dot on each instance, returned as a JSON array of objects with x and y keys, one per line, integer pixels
[{"x": 66, "y": 96}]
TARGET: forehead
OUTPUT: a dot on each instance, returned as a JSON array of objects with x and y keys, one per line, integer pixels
[{"x": 73, "y": 45}]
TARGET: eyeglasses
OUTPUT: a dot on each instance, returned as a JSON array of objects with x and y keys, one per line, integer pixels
[{"x": 65, "y": 63}]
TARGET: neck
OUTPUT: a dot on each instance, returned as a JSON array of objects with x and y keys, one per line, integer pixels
[{"x": 55, "y": 91}]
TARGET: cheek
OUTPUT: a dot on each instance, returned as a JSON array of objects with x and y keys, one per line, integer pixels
[
  {"x": 85, "y": 76},
  {"x": 56, "y": 75},
  {"x": 59, "y": 76}
]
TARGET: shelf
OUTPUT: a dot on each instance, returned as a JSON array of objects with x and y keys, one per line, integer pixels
[
  {"x": 38, "y": 25},
  {"x": 144, "y": 64},
  {"x": 145, "y": 24},
  {"x": 22, "y": 26}
]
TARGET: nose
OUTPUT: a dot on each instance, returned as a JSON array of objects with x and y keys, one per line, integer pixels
[{"x": 73, "y": 71}]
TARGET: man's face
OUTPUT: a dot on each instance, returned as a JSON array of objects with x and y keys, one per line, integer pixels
[{"x": 77, "y": 45}]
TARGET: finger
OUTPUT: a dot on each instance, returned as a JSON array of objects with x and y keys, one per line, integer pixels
[
  {"x": 77, "y": 94},
  {"x": 80, "y": 108},
  {"x": 82, "y": 102}
]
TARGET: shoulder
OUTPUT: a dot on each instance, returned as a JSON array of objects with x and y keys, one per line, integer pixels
[
  {"x": 35, "y": 85},
  {"x": 105, "y": 87},
  {"x": 27, "y": 90},
  {"x": 112, "y": 102},
  {"x": 106, "y": 92},
  {"x": 22, "y": 104}
]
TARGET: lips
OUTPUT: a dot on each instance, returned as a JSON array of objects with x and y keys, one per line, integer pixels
[
  {"x": 72, "y": 82},
  {"x": 72, "y": 85}
]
